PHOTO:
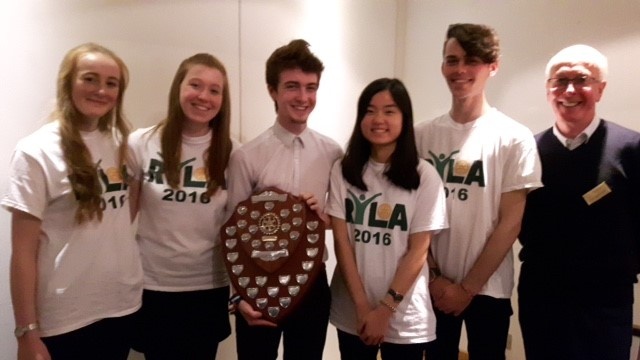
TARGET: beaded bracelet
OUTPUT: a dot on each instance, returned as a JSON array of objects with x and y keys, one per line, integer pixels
[{"x": 388, "y": 306}]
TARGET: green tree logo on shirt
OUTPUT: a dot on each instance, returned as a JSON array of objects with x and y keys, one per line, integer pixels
[
  {"x": 363, "y": 211},
  {"x": 457, "y": 171},
  {"x": 191, "y": 177}
]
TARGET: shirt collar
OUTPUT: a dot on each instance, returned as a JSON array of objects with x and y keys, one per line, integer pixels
[
  {"x": 582, "y": 138},
  {"x": 287, "y": 137}
]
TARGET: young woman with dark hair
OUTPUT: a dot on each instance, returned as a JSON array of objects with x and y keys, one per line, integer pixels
[{"x": 384, "y": 204}]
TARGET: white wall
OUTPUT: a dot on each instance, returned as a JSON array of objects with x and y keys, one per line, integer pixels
[
  {"x": 356, "y": 39},
  {"x": 530, "y": 32}
]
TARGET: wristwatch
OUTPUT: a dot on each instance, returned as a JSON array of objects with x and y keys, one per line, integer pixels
[
  {"x": 21, "y": 330},
  {"x": 395, "y": 295}
]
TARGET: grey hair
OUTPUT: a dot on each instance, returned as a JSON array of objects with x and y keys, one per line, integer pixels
[{"x": 580, "y": 54}]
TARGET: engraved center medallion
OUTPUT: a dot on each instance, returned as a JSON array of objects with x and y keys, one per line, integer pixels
[{"x": 269, "y": 223}]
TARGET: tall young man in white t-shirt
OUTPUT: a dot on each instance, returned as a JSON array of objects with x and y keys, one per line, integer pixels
[
  {"x": 298, "y": 160},
  {"x": 487, "y": 162}
]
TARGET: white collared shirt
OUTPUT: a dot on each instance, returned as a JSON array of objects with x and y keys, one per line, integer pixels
[
  {"x": 582, "y": 138},
  {"x": 279, "y": 158}
]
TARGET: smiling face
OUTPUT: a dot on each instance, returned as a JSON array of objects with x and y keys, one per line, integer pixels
[
  {"x": 95, "y": 86},
  {"x": 200, "y": 98},
  {"x": 466, "y": 76},
  {"x": 574, "y": 105},
  {"x": 382, "y": 125},
  {"x": 295, "y": 98}
]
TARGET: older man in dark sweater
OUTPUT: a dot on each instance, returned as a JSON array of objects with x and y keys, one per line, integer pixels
[{"x": 580, "y": 232}]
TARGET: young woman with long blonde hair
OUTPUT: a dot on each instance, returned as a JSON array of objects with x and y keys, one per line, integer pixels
[{"x": 76, "y": 277}]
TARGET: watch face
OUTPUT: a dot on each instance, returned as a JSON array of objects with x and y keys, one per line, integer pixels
[{"x": 396, "y": 297}]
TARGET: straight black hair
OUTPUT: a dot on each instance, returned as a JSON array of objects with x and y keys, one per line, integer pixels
[{"x": 402, "y": 168}]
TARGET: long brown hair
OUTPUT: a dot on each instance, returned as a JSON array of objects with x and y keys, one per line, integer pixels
[
  {"x": 83, "y": 174},
  {"x": 216, "y": 157}
]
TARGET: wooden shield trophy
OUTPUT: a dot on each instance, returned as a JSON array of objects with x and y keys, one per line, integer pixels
[{"x": 273, "y": 246}]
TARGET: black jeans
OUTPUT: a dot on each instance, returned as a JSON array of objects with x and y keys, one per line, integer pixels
[
  {"x": 487, "y": 322},
  {"x": 304, "y": 331},
  {"x": 352, "y": 348}
]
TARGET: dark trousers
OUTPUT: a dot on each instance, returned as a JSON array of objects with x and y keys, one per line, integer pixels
[
  {"x": 106, "y": 339},
  {"x": 572, "y": 331},
  {"x": 183, "y": 325},
  {"x": 352, "y": 348},
  {"x": 487, "y": 322},
  {"x": 304, "y": 331}
]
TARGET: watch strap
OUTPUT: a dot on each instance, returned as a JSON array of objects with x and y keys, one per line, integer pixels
[{"x": 397, "y": 297}]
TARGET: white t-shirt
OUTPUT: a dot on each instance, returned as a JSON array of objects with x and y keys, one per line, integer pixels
[
  {"x": 178, "y": 229},
  {"x": 86, "y": 272},
  {"x": 379, "y": 224},
  {"x": 478, "y": 161}
]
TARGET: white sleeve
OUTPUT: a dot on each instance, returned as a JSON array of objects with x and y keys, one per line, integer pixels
[
  {"x": 135, "y": 161},
  {"x": 431, "y": 208},
  {"x": 337, "y": 192},
  {"x": 240, "y": 185},
  {"x": 522, "y": 167},
  {"x": 27, "y": 185}
]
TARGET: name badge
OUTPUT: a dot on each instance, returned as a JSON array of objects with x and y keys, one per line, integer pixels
[{"x": 596, "y": 193}]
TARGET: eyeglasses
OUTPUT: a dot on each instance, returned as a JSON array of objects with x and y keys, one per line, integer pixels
[{"x": 557, "y": 84}]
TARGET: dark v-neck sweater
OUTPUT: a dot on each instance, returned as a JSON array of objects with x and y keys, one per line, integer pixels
[{"x": 580, "y": 251}]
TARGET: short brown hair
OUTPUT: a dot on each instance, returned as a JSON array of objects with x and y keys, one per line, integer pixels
[
  {"x": 294, "y": 55},
  {"x": 477, "y": 41}
]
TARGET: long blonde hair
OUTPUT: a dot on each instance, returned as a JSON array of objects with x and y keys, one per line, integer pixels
[
  {"x": 83, "y": 174},
  {"x": 216, "y": 157}
]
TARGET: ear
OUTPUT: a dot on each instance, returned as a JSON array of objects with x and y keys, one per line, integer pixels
[
  {"x": 272, "y": 92},
  {"x": 493, "y": 68},
  {"x": 600, "y": 89}
]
